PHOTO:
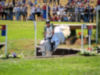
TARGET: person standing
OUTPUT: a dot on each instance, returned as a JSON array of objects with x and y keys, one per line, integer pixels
[
  {"x": 5, "y": 12},
  {"x": 2, "y": 2},
  {"x": 82, "y": 13},
  {"x": 35, "y": 2},
  {"x": 98, "y": 2},
  {"x": 13, "y": 1},
  {"x": 1, "y": 11},
  {"x": 24, "y": 1},
  {"x": 49, "y": 14},
  {"x": 38, "y": 12},
  {"x": 87, "y": 14},
  {"x": 54, "y": 10},
  {"x": 44, "y": 1},
  {"x": 24, "y": 12},
  {"x": 10, "y": 11},
  {"x": 50, "y": 1},
  {"x": 17, "y": 12},
  {"x": 76, "y": 13},
  {"x": 33, "y": 11},
  {"x": 44, "y": 11},
  {"x": 30, "y": 3},
  {"x": 79, "y": 13},
  {"x": 91, "y": 13},
  {"x": 58, "y": 2}
]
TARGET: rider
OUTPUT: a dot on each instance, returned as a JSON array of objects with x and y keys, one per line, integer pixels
[{"x": 48, "y": 33}]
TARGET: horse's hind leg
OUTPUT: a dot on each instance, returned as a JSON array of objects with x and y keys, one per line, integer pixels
[{"x": 48, "y": 53}]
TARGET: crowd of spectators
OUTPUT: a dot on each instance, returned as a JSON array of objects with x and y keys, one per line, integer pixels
[
  {"x": 9, "y": 10},
  {"x": 52, "y": 1},
  {"x": 74, "y": 10}
]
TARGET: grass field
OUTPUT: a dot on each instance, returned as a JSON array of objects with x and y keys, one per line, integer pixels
[
  {"x": 21, "y": 35},
  {"x": 70, "y": 65},
  {"x": 21, "y": 40}
]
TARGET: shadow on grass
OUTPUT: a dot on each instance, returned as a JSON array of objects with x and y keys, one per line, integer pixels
[{"x": 61, "y": 51}]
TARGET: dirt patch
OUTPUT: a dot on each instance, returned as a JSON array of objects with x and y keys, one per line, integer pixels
[{"x": 75, "y": 41}]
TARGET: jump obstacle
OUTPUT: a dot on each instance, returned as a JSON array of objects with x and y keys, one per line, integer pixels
[{"x": 74, "y": 27}]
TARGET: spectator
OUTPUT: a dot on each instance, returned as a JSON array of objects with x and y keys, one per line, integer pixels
[
  {"x": 3, "y": 3},
  {"x": 35, "y": 2},
  {"x": 55, "y": 17},
  {"x": 30, "y": 3},
  {"x": 10, "y": 14},
  {"x": 38, "y": 12},
  {"x": 17, "y": 11},
  {"x": 1, "y": 11},
  {"x": 44, "y": 1},
  {"x": 50, "y": 1},
  {"x": 33, "y": 12},
  {"x": 61, "y": 10},
  {"x": 64, "y": 18},
  {"x": 81, "y": 13},
  {"x": 13, "y": 1},
  {"x": 5, "y": 12},
  {"x": 24, "y": 12},
  {"x": 49, "y": 9},
  {"x": 54, "y": 10},
  {"x": 77, "y": 10},
  {"x": 98, "y": 2},
  {"x": 87, "y": 14},
  {"x": 24, "y": 1},
  {"x": 19, "y": 3},
  {"x": 91, "y": 13},
  {"x": 76, "y": 13},
  {"x": 54, "y": 1},
  {"x": 58, "y": 1},
  {"x": 44, "y": 11}
]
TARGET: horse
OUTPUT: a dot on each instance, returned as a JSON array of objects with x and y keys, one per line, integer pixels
[{"x": 60, "y": 33}]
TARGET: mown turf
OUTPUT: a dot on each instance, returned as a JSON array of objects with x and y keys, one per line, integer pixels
[
  {"x": 21, "y": 35},
  {"x": 21, "y": 40},
  {"x": 71, "y": 65}
]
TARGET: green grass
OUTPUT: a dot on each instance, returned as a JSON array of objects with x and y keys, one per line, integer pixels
[
  {"x": 22, "y": 30},
  {"x": 21, "y": 35},
  {"x": 21, "y": 40},
  {"x": 71, "y": 65}
]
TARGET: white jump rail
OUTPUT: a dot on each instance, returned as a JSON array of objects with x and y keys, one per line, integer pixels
[{"x": 76, "y": 26}]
